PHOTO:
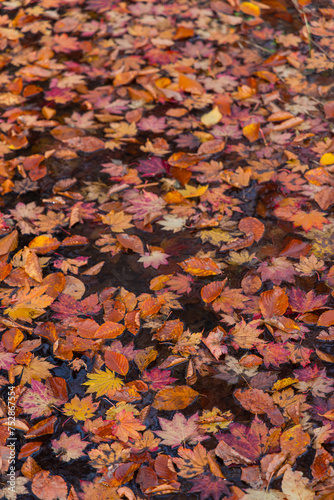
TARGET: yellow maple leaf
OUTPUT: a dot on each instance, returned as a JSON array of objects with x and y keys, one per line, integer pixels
[
  {"x": 103, "y": 383},
  {"x": 37, "y": 369},
  {"x": 80, "y": 409},
  {"x": 118, "y": 221},
  {"x": 240, "y": 258},
  {"x": 215, "y": 236},
  {"x": 192, "y": 462},
  {"x": 29, "y": 304}
]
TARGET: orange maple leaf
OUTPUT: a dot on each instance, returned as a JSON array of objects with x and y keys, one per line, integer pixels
[
  {"x": 127, "y": 426},
  {"x": 309, "y": 220}
]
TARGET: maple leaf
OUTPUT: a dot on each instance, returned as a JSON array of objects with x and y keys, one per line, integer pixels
[
  {"x": 232, "y": 370},
  {"x": 243, "y": 445},
  {"x": 152, "y": 167},
  {"x": 179, "y": 430},
  {"x": 71, "y": 265},
  {"x": 294, "y": 485},
  {"x": 69, "y": 447},
  {"x": 83, "y": 121},
  {"x": 65, "y": 43},
  {"x": 118, "y": 221},
  {"x": 29, "y": 304},
  {"x": 273, "y": 353},
  {"x": 229, "y": 299},
  {"x": 215, "y": 236},
  {"x": 96, "y": 490},
  {"x": 158, "y": 379},
  {"x": 319, "y": 386},
  {"x": 214, "y": 342},
  {"x": 240, "y": 258},
  {"x": 303, "y": 302},
  {"x": 144, "y": 204},
  {"x": 279, "y": 270},
  {"x": 37, "y": 369},
  {"x": 26, "y": 215},
  {"x": 51, "y": 221},
  {"x": 37, "y": 401},
  {"x": 173, "y": 223},
  {"x": 192, "y": 462},
  {"x": 309, "y": 220},
  {"x": 309, "y": 265},
  {"x": 126, "y": 426},
  {"x": 80, "y": 409},
  {"x": 20, "y": 488},
  {"x": 154, "y": 259},
  {"x": 68, "y": 306},
  {"x": 107, "y": 455},
  {"x": 103, "y": 383},
  {"x": 210, "y": 486},
  {"x": 147, "y": 441},
  {"x": 245, "y": 335},
  {"x": 258, "y": 402},
  {"x": 152, "y": 123},
  {"x": 180, "y": 283},
  {"x": 187, "y": 343}
]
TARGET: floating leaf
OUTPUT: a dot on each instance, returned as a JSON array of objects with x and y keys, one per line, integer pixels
[
  {"x": 117, "y": 362},
  {"x": 174, "y": 398},
  {"x": 200, "y": 266}
]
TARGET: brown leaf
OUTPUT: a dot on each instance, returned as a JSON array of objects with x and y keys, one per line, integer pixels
[
  {"x": 42, "y": 428},
  {"x": 326, "y": 318},
  {"x": 258, "y": 402},
  {"x": 170, "y": 330},
  {"x": 251, "y": 226},
  {"x": 131, "y": 241},
  {"x": 29, "y": 448},
  {"x": 47, "y": 487},
  {"x": 9, "y": 243},
  {"x": 174, "y": 398},
  {"x": 290, "y": 123},
  {"x": 274, "y": 302}
]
